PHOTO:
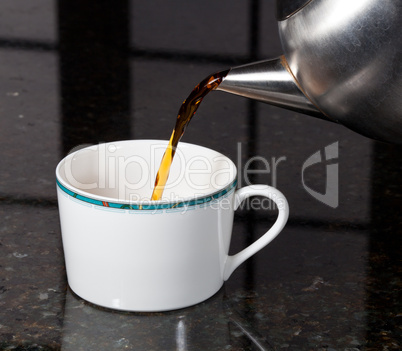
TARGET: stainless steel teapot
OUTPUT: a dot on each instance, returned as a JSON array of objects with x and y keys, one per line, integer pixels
[{"x": 342, "y": 62}]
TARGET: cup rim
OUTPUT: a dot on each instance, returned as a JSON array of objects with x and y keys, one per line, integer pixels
[{"x": 116, "y": 203}]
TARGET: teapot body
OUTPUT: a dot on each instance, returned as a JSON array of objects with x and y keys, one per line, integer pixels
[{"x": 346, "y": 57}]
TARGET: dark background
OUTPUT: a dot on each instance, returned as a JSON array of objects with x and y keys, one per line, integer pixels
[{"x": 79, "y": 72}]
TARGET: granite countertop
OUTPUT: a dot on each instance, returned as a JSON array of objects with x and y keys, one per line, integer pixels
[{"x": 76, "y": 73}]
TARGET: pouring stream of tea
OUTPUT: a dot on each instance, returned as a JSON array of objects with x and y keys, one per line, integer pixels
[{"x": 186, "y": 112}]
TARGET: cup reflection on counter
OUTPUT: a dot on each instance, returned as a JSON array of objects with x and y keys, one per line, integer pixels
[{"x": 89, "y": 327}]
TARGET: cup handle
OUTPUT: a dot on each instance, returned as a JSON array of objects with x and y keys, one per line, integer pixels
[{"x": 232, "y": 262}]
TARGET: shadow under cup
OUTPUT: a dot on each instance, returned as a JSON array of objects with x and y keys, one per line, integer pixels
[{"x": 126, "y": 252}]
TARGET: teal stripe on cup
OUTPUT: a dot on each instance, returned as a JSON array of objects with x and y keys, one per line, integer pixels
[{"x": 148, "y": 206}]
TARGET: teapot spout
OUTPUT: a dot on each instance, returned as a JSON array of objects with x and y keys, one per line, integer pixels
[{"x": 271, "y": 82}]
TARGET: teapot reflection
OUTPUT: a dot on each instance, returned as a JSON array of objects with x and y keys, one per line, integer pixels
[{"x": 207, "y": 326}]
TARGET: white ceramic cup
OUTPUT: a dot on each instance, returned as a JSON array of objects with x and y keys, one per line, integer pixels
[{"x": 125, "y": 252}]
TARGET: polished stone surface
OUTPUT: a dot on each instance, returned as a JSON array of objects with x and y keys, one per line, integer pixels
[{"x": 84, "y": 72}]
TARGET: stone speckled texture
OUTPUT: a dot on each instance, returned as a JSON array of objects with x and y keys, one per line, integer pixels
[{"x": 79, "y": 72}]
